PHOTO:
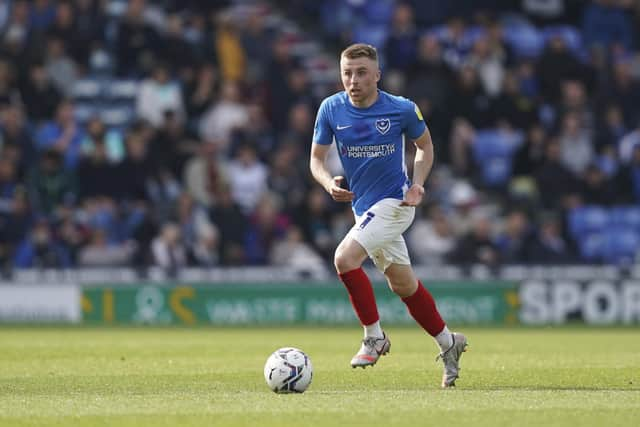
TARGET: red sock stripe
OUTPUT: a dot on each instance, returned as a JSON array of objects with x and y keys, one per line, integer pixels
[
  {"x": 361, "y": 295},
  {"x": 423, "y": 309}
]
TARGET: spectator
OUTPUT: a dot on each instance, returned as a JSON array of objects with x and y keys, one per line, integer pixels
[
  {"x": 100, "y": 253},
  {"x": 232, "y": 224},
  {"x": 513, "y": 106},
  {"x": 95, "y": 174},
  {"x": 205, "y": 174},
  {"x": 40, "y": 250},
  {"x": 63, "y": 135},
  {"x": 512, "y": 243},
  {"x": 247, "y": 178},
  {"x": 287, "y": 176},
  {"x": 611, "y": 129},
  {"x": 136, "y": 170},
  {"x": 266, "y": 226},
  {"x": 137, "y": 42},
  {"x": 400, "y": 48},
  {"x": 606, "y": 23},
  {"x": 50, "y": 184},
  {"x": 477, "y": 247},
  {"x": 60, "y": 67},
  {"x": 469, "y": 99},
  {"x": 168, "y": 250},
  {"x": 548, "y": 245},
  {"x": 199, "y": 235},
  {"x": 229, "y": 50},
  {"x": 554, "y": 180},
  {"x": 157, "y": 96},
  {"x": 432, "y": 239},
  {"x": 597, "y": 188},
  {"x": 489, "y": 65},
  {"x": 15, "y": 133},
  {"x": 8, "y": 92},
  {"x": 176, "y": 52},
  {"x": 530, "y": 156},
  {"x": 39, "y": 95},
  {"x": 293, "y": 251},
  {"x": 201, "y": 93},
  {"x": 628, "y": 178},
  {"x": 576, "y": 146},
  {"x": 314, "y": 218},
  {"x": 111, "y": 139},
  {"x": 171, "y": 145},
  {"x": 554, "y": 66},
  {"x": 225, "y": 116}
]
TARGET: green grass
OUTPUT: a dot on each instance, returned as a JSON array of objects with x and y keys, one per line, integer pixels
[{"x": 210, "y": 377}]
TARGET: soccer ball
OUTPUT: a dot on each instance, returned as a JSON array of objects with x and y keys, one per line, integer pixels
[{"x": 288, "y": 370}]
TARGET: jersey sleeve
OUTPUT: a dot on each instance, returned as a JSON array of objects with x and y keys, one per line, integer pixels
[
  {"x": 322, "y": 132},
  {"x": 415, "y": 125}
]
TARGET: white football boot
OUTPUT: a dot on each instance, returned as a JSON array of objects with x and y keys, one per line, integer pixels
[
  {"x": 451, "y": 359},
  {"x": 370, "y": 351}
]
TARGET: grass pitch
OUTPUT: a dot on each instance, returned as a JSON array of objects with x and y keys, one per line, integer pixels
[{"x": 211, "y": 377}]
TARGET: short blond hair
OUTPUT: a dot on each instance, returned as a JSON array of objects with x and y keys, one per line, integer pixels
[{"x": 360, "y": 50}]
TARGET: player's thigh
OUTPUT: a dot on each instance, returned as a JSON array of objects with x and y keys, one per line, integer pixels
[
  {"x": 382, "y": 225},
  {"x": 349, "y": 255},
  {"x": 393, "y": 253}
]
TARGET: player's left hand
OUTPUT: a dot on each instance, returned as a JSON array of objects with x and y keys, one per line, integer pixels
[{"x": 413, "y": 196}]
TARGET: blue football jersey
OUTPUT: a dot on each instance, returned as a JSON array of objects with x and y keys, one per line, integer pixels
[{"x": 370, "y": 142}]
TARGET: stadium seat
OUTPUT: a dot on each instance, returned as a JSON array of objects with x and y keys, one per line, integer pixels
[
  {"x": 588, "y": 219},
  {"x": 493, "y": 151},
  {"x": 592, "y": 246},
  {"x": 379, "y": 12},
  {"x": 622, "y": 246},
  {"x": 84, "y": 111},
  {"x": 525, "y": 40},
  {"x": 373, "y": 35},
  {"x": 626, "y": 216},
  {"x": 116, "y": 116},
  {"x": 121, "y": 90},
  {"x": 86, "y": 89}
]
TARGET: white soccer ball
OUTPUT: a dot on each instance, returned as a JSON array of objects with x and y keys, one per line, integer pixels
[{"x": 288, "y": 370}]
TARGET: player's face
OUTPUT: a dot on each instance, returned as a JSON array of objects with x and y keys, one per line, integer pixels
[{"x": 360, "y": 79}]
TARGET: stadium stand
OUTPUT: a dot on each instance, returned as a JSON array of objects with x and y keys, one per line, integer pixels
[{"x": 175, "y": 133}]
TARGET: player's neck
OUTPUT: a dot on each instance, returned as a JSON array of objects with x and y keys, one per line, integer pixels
[{"x": 365, "y": 103}]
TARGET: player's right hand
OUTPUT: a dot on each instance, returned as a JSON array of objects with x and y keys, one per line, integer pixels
[{"x": 338, "y": 193}]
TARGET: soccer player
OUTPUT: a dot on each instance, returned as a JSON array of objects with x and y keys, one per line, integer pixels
[{"x": 369, "y": 126}]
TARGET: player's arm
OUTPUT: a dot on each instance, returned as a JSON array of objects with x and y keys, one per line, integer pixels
[
  {"x": 421, "y": 168},
  {"x": 320, "y": 173}
]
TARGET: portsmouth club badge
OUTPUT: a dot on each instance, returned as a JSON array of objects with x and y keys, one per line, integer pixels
[{"x": 383, "y": 125}]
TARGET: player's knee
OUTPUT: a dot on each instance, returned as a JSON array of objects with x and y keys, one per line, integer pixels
[
  {"x": 403, "y": 288},
  {"x": 343, "y": 262}
]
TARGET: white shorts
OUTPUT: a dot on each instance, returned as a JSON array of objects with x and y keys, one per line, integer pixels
[{"x": 379, "y": 231}]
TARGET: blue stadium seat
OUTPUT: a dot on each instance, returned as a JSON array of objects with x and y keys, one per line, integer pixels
[
  {"x": 525, "y": 40},
  {"x": 116, "y": 116},
  {"x": 373, "y": 35},
  {"x": 379, "y": 12},
  {"x": 588, "y": 219},
  {"x": 84, "y": 111},
  {"x": 121, "y": 91},
  {"x": 626, "y": 216},
  {"x": 493, "y": 150},
  {"x": 622, "y": 246},
  {"x": 592, "y": 246},
  {"x": 87, "y": 89}
]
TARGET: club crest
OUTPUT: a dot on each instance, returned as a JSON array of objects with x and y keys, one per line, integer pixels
[{"x": 383, "y": 125}]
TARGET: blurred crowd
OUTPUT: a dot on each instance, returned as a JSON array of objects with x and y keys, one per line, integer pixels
[{"x": 176, "y": 133}]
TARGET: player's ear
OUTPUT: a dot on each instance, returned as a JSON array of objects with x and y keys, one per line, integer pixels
[{"x": 378, "y": 75}]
